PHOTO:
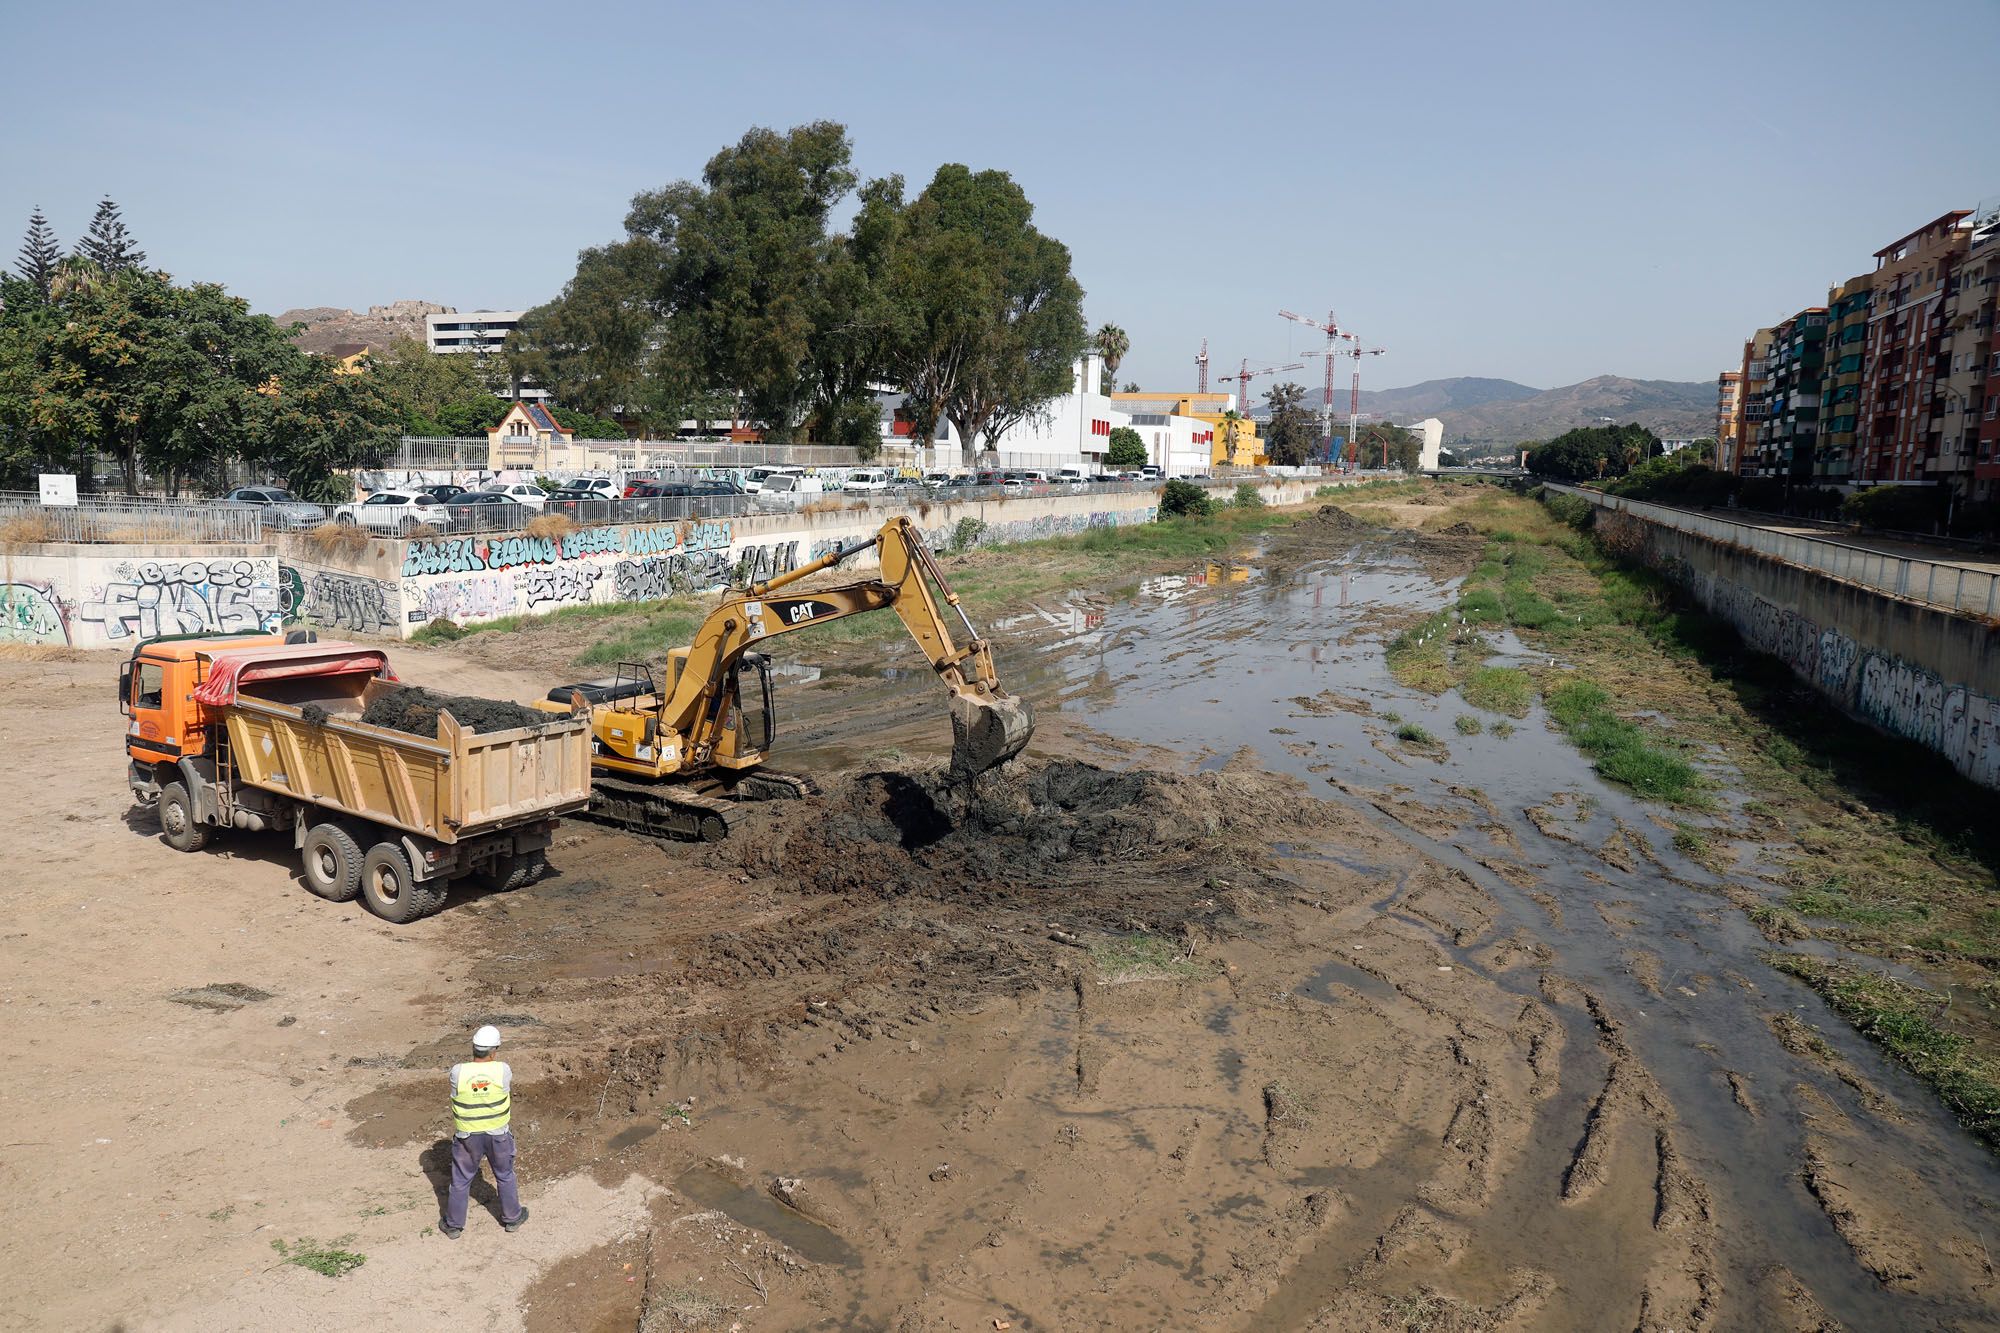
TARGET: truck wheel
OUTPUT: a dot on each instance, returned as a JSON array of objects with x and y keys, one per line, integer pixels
[
  {"x": 332, "y": 861},
  {"x": 390, "y": 888},
  {"x": 184, "y": 832},
  {"x": 528, "y": 867}
]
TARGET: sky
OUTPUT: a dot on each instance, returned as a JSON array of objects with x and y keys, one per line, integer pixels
[{"x": 1537, "y": 192}]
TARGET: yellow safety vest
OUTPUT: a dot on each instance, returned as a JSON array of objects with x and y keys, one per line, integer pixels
[{"x": 480, "y": 1103}]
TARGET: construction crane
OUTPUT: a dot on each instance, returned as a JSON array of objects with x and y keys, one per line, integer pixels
[
  {"x": 1243, "y": 377},
  {"x": 1201, "y": 368},
  {"x": 1334, "y": 333},
  {"x": 1354, "y": 398}
]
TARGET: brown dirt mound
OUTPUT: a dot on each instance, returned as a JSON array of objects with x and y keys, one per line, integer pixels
[
  {"x": 1460, "y": 529},
  {"x": 415, "y": 710}
]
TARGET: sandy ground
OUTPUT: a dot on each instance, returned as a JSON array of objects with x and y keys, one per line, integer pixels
[{"x": 1310, "y": 1035}]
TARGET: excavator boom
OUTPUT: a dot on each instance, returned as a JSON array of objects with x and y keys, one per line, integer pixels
[{"x": 701, "y": 743}]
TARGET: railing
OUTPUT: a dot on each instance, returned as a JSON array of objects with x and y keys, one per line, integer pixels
[
  {"x": 1933, "y": 582},
  {"x": 25, "y": 519}
]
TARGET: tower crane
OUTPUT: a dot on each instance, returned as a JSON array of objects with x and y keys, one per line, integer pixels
[
  {"x": 1354, "y": 399},
  {"x": 1242, "y": 379},
  {"x": 1334, "y": 333}
]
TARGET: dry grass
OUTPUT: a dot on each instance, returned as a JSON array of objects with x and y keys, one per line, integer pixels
[
  {"x": 28, "y": 530},
  {"x": 421, "y": 532},
  {"x": 550, "y": 525},
  {"x": 331, "y": 539}
]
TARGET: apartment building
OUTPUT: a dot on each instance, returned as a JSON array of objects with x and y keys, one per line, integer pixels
[
  {"x": 1966, "y": 407},
  {"x": 1756, "y": 402},
  {"x": 1897, "y": 440},
  {"x": 1796, "y": 360},
  {"x": 1845, "y": 359},
  {"x": 1728, "y": 418}
]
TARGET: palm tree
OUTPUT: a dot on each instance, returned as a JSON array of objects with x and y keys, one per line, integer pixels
[
  {"x": 1112, "y": 344},
  {"x": 75, "y": 274},
  {"x": 1230, "y": 423}
]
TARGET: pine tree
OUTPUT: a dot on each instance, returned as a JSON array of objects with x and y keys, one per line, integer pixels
[
  {"x": 109, "y": 245},
  {"x": 39, "y": 252}
]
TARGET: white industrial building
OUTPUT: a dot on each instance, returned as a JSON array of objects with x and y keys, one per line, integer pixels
[{"x": 1075, "y": 431}]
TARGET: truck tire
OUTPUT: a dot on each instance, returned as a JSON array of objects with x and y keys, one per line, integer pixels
[
  {"x": 511, "y": 871},
  {"x": 184, "y": 832},
  {"x": 332, "y": 862},
  {"x": 390, "y": 889}
]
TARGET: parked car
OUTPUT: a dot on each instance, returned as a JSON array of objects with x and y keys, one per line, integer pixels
[
  {"x": 1151, "y": 472},
  {"x": 634, "y": 480},
  {"x": 867, "y": 479},
  {"x": 394, "y": 511},
  {"x": 937, "y": 478},
  {"x": 487, "y": 511},
  {"x": 1072, "y": 476},
  {"x": 990, "y": 478},
  {"x": 573, "y": 491},
  {"x": 594, "y": 488},
  {"x": 443, "y": 492},
  {"x": 962, "y": 479},
  {"x": 785, "y": 491},
  {"x": 1015, "y": 485},
  {"x": 1035, "y": 477},
  {"x": 526, "y": 492},
  {"x": 281, "y": 508}
]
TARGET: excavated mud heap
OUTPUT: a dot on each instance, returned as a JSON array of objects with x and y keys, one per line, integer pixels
[
  {"x": 415, "y": 710},
  {"x": 1066, "y": 840}
]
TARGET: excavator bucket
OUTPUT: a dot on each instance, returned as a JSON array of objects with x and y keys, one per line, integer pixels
[{"x": 987, "y": 731}]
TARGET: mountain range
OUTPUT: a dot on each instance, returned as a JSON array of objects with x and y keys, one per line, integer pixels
[{"x": 1490, "y": 413}]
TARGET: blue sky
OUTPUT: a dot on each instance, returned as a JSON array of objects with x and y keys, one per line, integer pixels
[{"x": 1538, "y": 192}]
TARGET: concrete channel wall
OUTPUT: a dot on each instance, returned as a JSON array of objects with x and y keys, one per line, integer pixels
[
  {"x": 97, "y": 596},
  {"x": 1901, "y": 661}
]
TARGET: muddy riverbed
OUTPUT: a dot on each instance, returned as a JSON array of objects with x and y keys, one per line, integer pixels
[{"x": 1225, "y": 1007}]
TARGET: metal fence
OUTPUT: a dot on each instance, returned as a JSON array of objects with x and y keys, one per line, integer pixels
[
  {"x": 1940, "y": 583},
  {"x": 125, "y": 519}
]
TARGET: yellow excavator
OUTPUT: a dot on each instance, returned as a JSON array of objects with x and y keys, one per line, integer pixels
[{"x": 677, "y": 758}]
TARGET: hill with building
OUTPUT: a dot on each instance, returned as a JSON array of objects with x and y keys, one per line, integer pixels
[
  {"x": 328, "y": 327},
  {"x": 1481, "y": 412}
]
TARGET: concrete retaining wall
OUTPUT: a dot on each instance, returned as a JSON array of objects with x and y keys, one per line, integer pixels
[
  {"x": 399, "y": 587},
  {"x": 108, "y": 596},
  {"x": 1914, "y": 670}
]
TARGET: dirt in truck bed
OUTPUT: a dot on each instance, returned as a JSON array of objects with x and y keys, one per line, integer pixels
[{"x": 415, "y": 709}]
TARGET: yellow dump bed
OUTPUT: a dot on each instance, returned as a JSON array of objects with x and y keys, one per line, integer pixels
[{"x": 297, "y": 731}]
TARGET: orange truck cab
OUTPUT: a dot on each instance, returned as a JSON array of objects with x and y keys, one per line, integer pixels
[{"x": 257, "y": 732}]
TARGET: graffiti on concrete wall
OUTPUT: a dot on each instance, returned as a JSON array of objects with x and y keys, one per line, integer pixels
[
  {"x": 467, "y": 600},
  {"x": 1901, "y": 697},
  {"x": 148, "y": 598},
  {"x": 351, "y": 602},
  {"x": 471, "y": 555},
  {"x": 32, "y": 613}
]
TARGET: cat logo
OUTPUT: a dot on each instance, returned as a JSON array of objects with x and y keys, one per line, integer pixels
[{"x": 804, "y": 611}]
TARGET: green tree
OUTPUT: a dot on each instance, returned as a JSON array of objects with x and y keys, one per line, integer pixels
[
  {"x": 1184, "y": 498},
  {"x": 590, "y": 347},
  {"x": 39, "y": 253},
  {"x": 427, "y": 388},
  {"x": 1112, "y": 344},
  {"x": 108, "y": 245},
  {"x": 585, "y": 426},
  {"x": 1590, "y": 452},
  {"x": 1132, "y": 387},
  {"x": 743, "y": 263},
  {"x": 1403, "y": 449},
  {"x": 1127, "y": 448},
  {"x": 988, "y": 319},
  {"x": 1288, "y": 439},
  {"x": 318, "y": 424}
]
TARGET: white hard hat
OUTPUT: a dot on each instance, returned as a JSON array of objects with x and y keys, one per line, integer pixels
[{"x": 487, "y": 1038}]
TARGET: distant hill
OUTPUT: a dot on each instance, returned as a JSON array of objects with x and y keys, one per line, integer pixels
[
  {"x": 1486, "y": 413},
  {"x": 381, "y": 325}
]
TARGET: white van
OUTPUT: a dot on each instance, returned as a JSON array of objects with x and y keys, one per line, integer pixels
[
  {"x": 1035, "y": 477},
  {"x": 783, "y": 490},
  {"x": 754, "y": 479},
  {"x": 1072, "y": 476},
  {"x": 868, "y": 479}
]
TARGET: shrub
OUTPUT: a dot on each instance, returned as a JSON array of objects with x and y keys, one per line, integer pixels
[
  {"x": 1247, "y": 497},
  {"x": 1899, "y": 508},
  {"x": 1571, "y": 509},
  {"x": 966, "y": 535},
  {"x": 329, "y": 539},
  {"x": 1184, "y": 498},
  {"x": 28, "y": 529},
  {"x": 1467, "y": 724},
  {"x": 1414, "y": 734},
  {"x": 550, "y": 525}
]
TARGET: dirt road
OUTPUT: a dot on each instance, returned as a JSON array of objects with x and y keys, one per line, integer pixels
[{"x": 1226, "y": 1009}]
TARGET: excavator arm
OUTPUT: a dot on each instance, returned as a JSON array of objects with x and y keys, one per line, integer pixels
[{"x": 989, "y": 726}]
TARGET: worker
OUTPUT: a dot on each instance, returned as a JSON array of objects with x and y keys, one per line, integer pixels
[{"x": 482, "y": 1096}]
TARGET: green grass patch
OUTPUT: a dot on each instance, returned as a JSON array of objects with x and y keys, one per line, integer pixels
[
  {"x": 1140, "y": 958},
  {"x": 1830, "y": 903},
  {"x": 329, "y": 1258},
  {"x": 1499, "y": 690},
  {"x": 1619, "y": 748},
  {"x": 1420, "y": 658},
  {"x": 645, "y": 636},
  {"x": 1502, "y": 729},
  {"x": 1467, "y": 725},
  {"x": 1482, "y": 606},
  {"x": 1905, "y": 1021},
  {"x": 1414, "y": 734}
]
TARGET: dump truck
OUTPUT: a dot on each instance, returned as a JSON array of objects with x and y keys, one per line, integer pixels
[{"x": 260, "y": 733}]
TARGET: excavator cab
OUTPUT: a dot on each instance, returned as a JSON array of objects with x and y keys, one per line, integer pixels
[{"x": 755, "y": 716}]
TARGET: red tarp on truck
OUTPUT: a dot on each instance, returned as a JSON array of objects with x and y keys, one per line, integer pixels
[{"x": 229, "y": 670}]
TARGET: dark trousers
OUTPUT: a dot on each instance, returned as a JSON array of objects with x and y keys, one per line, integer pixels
[{"x": 466, "y": 1155}]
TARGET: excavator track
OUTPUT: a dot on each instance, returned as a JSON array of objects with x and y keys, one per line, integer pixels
[
  {"x": 672, "y": 810},
  {"x": 679, "y": 812}
]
